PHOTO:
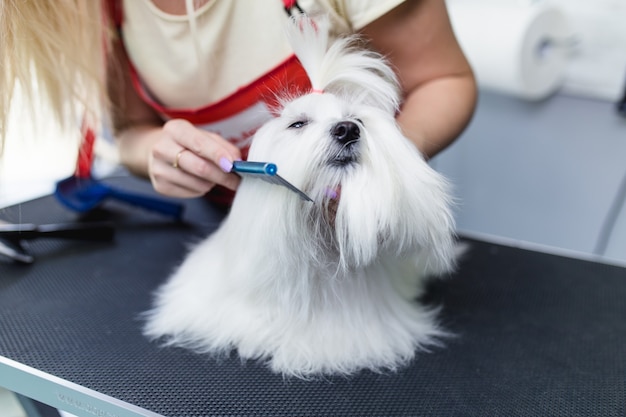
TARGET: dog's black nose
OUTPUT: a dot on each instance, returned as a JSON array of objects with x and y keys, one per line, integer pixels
[{"x": 345, "y": 132}]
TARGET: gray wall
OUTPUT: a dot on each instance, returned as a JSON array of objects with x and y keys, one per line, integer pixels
[{"x": 546, "y": 173}]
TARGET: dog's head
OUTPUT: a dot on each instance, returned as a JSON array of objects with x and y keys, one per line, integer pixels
[{"x": 372, "y": 190}]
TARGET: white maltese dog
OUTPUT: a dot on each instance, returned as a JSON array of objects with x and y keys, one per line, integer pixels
[{"x": 327, "y": 287}]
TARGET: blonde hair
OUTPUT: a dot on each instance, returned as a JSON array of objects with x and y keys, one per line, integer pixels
[{"x": 55, "y": 51}]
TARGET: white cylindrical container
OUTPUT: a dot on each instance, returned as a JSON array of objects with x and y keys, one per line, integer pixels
[{"x": 514, "y": 47}]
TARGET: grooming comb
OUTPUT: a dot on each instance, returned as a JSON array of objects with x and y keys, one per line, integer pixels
[{"x": 267, "y": 172}]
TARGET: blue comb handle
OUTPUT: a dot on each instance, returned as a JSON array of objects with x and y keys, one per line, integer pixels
[
  {"x": 255, "y": 168},
  {"x": 267, "y": 172}
]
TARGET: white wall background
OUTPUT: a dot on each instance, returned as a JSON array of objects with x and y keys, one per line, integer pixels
[{"x": 598, "y": 64}]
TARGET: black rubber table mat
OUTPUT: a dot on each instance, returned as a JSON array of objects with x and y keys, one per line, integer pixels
[{"x": 537, "y": 334}]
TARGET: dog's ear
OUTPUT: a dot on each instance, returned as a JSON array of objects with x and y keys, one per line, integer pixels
[{"x": 344, "y": 66}]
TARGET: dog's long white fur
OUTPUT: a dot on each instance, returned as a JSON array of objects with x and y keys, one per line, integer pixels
[{"x": 330, "y": 287}]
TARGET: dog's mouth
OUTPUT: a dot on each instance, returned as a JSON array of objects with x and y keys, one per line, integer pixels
[
  {"x": 347, "y": 155},
  {"x": 346, "y": 136},
  {"x": 331, "y": 202}
]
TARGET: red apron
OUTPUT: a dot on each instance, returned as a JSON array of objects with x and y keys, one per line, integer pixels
[{"x": 238, "y": 116}]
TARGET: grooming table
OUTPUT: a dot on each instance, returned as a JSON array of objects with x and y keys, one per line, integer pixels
[{"x": 536, "y": 334}]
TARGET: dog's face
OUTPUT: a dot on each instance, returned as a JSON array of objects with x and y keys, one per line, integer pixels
[
  {"x": 317, "y": 141},
  {"x": 331, "y": 122},
  {"x": 321, "y": 122}
]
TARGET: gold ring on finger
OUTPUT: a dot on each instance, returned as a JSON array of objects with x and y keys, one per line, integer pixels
[{"x": 177, "y": 159}]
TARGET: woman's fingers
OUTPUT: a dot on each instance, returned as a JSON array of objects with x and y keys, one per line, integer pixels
[
  {"x": 188, "y": 162},
  {"x": 175, "y": 182},
  {"x": 207, "y": 145}
]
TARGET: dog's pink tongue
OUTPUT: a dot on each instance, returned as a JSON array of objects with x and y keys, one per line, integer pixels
[
  {"x": 331, "y": 205},
  {"x": 333, "y": 193}
]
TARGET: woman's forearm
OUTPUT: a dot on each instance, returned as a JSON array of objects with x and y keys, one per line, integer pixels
[{"x": 435, "y": 113}]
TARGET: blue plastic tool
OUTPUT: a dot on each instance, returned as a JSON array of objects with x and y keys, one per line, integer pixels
[
  {"x": 84, "y": 194},
  {"x": 81, "y": 192}
]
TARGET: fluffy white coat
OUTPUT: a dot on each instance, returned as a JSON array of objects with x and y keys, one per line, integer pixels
[{"x": 328, "y": 287}]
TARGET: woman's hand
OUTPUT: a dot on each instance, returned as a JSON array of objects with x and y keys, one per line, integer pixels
[
  {"x": 180, "y": 159},
  {"x": 188, "y": 162}
]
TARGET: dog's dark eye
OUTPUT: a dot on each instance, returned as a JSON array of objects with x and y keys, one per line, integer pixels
[{"x": 299, "y": 124}]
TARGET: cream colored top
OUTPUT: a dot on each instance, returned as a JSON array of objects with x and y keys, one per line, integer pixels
[{"x": 190, "y": 61}]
